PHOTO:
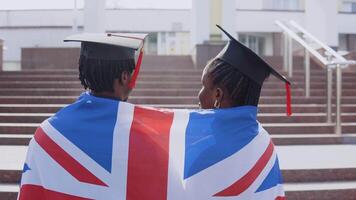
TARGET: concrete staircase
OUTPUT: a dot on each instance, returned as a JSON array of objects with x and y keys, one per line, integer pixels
[{"x": 305, "y": 141}]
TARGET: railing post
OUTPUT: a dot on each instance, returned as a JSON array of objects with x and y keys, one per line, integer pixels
[
  {"x": 290, "y": 57},
  {"x": 338, "y": 128},
  {"x": 285, "y": 52},
  {"x": 329, "y": 90},
  {"x": 307, "y": 73}
]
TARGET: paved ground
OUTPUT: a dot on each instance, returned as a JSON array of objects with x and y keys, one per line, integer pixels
[
  {"x": 317, "y": 156},
  {"x": 291, "y": 157}
]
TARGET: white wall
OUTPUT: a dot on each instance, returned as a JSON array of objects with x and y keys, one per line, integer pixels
[
  {"x": 228, "y": 17},
  {"x": 348, "y": 25},
  {"x": 263, "y": 21},
  {"x": 200, "y": 17},
  {"x": 148, "y": 20},
  {"x": 94, "y": 16},
  {"x": 116, "y": 19},
  {"x": 249, "y": 4},
  {"x": 15, "y": 39},
  {"x": 38, "y": 18},
  {"x": 321, "y": 20}
]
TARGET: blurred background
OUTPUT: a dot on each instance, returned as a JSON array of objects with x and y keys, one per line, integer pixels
[
  {"x": 311, "y": 42},
  {"x": 175, "y": 27}
]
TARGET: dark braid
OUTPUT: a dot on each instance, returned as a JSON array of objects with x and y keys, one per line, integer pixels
[
  {"x": 241, "y": 89},
  {"x": 99, "y": 75}
]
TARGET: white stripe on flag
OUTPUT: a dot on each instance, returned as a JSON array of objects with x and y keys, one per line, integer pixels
[
  {"x": 257, "y": 183},
  {"x": 272, "y": 193},
  {"x": 75, "y": 152},
  {"x": 52, "y": 176},
  {"x": 31, "y": 176},
  {"x": 216, "y": 178},
  {"x": 121, "y": 150},
  {"x": 176, "y": 155}
]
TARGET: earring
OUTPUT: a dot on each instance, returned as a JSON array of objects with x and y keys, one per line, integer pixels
[{"x": 216, "y": 104}]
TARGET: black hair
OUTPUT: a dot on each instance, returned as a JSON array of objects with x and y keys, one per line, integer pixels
[
  {"x": 241, "y": 89},
  {"x": 99, "y": 75}
]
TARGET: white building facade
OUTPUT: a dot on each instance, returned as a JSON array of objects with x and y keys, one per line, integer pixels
[{"x": 178, "y": 31}]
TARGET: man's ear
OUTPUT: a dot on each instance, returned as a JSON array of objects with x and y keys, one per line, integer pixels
[{"x": 125, "y": 77}]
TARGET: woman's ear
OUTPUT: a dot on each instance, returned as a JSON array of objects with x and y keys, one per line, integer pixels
[{"x": 219, "y": 94}]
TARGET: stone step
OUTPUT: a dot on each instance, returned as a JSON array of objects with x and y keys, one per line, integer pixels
[
  {"x": 18, "y": 128},
  {"x": 75, "y": 71},
  {"x": 287, "y": 139},
  {"x": 155, "y": 92},
  {"x": 307, "y": 128},
  {"x": 303, "y": 139},
  {"x": 315, "y": 175},
  {"x": 262, "y": 117},
  {"x": 302, "y": 117},
  {"x": 15, "y": 139},
  {"x": 153, "y": 84},
  {"x": 293, "y": 191},
  {"x": 145, "y": 77},
  {"x": 31, "y": 108},
  {"x": 148, "y": 70},
  {"x": 263, "y": 108},
  {"x": 158, "y": 76},
  {"x": 8, "y": 191},
  {"x": 289, "y": 176},
  {"x": 272, "y": 128},
  {"x": 162, "y": 100},
  {"x": 320, "y": 190}
]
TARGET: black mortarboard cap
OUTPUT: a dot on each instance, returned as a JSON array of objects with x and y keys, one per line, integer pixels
[
  {"x": 116, "y": 47},
  {"x": 251, "y": 65},
  {"x": 246, "y": 61}
]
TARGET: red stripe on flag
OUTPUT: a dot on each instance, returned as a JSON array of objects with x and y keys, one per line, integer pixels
[
  {"x": 245, "y": 182},
  {"x": 281, "y": 198},
  {"x": 65, "y": 160},
  {"x": 31, "y": 192},
  {"x": 147, "y": 174}
]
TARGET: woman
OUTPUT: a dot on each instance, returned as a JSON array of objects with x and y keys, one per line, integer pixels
[
  {"x": 231, "y": 86},
  {"x": 235, "y": 78}
]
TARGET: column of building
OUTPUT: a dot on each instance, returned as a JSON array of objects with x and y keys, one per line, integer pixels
[
  {"x": 94, "y": 16},
  {"x": 206, "y": 39},
  {"x": 321, "y": 20},
  {"x": 1, "y": 54}
]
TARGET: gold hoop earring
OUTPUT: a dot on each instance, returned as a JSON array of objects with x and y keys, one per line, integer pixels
[{"x": 216, "y": 104}]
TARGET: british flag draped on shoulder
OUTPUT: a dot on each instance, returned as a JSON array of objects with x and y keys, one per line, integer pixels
[{"x": 99, "y": 148}]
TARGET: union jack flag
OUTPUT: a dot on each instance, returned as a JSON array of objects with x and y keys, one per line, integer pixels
[{"x": 99, "y": 148}]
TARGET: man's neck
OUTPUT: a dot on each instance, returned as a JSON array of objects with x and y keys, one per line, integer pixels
[{"x": 108, "y": 95}]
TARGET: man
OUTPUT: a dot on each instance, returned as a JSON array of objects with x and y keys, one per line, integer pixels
[{"x": 108, "y": 68}]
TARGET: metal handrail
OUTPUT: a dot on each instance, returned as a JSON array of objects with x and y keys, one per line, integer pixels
[
  {"x": 298, "y": 39},
  {"x": 332, "y": 61},
  {"x": 324, "y": 46}
]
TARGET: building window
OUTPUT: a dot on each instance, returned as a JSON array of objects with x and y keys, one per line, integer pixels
[
  {"x": 255, "y": 43},
  {"x": 347, "y": 42},
  {"x": 286, "y": 4},
  {"x": 151, "y": 44},
  {"x": 349, "y": 6}
]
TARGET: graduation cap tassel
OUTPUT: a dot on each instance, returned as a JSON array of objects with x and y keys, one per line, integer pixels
[
  {"x": 132, "y": 83},
  {"x": 288, "y": 98}
]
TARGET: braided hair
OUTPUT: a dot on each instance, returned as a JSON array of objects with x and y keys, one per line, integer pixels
[
  {"x": 99, "y": 75},
  {"x": 241, "y": 89}
]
